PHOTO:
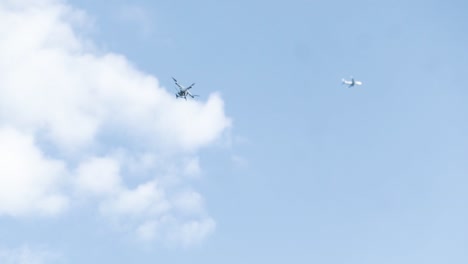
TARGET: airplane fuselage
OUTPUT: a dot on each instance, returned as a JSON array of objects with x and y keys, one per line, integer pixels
[{"x": 351, "y": 83}]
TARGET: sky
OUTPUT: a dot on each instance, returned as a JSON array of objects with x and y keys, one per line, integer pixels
[{"x": 275, "y": 162}]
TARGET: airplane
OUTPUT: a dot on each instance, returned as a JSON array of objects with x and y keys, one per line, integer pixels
[
  {"x": 351, "y": 83},
  {"x": 183, "y": 92}
]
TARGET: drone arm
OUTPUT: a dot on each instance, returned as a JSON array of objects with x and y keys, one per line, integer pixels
[
  {"x": 192, "y": 95},
  {"x": 177, "y": 83},
  {"x": 190, "y": 87}
]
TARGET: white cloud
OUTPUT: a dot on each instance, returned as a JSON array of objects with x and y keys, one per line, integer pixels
[
  {"x": 193, "y": 232},
  {"x": 170, "y": 230},
  {"x": 147, "y": 198},
  {"x": 84, "y": 120},
  {"x": 99, "y": 176},
  {"x": 73, "y": 94},
  {"x": 29, "y": 181}
]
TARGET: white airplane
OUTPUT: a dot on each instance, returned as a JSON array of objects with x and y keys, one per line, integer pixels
[
  {"x": 351, "y": 83},
  {"x": 182, "y": 92}
]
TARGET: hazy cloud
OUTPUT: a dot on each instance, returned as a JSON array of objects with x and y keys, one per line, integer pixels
[
  {"x": 27, "y": 255},
  {"x": 138, "y": 18}
]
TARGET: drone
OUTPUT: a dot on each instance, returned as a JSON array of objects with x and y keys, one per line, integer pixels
[{"x": 183, "y": 92}]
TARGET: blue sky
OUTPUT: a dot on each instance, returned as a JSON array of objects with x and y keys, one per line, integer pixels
[{"x": 275, "y": 162}]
